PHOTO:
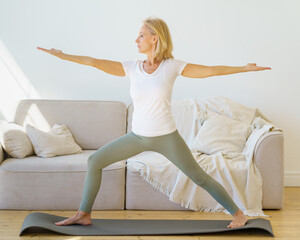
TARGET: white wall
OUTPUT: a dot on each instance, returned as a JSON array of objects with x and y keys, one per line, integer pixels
[{"x": 211, "y": 32}]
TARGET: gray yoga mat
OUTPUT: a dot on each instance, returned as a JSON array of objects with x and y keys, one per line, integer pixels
[{"x": 38, "y": 222}]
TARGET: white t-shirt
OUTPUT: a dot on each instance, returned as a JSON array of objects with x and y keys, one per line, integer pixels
[{"x": 151, "y": 95}]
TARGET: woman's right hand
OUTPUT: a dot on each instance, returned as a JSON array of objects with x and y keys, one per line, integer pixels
[{"x": 57, "y": 53}]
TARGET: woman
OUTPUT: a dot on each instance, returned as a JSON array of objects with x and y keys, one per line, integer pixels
[{"x": 153, "y": 127}]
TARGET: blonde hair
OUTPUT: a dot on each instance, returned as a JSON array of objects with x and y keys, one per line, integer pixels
[{"x": 164, "y": 46}]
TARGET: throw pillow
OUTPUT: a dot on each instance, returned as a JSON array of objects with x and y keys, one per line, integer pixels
[
  {"x": 220, "y": 134},
  {"x": 58, "y": 141},
  {"x": 14, "y": 140}
]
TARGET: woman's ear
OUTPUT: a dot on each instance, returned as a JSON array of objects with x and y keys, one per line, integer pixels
[{"x": 155, "y": 38}]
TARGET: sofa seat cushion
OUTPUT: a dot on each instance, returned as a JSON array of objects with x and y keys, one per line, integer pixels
[{"x": 66, "y": 163}]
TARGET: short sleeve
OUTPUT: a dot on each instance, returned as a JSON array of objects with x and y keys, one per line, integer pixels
[
  {"x": 179, "y": 65},
  {"x": 127, "y": 66}
]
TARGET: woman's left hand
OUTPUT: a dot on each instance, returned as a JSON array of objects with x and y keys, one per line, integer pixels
[{"x": 253, "y": 67}]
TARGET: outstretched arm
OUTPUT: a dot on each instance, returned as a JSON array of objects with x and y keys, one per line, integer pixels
[
  {"x": 110, "y": 67},
  {"x": 74, "y": 58},
  {"x": 201, "y": 71},
  {"x": 224, "y": 70}
]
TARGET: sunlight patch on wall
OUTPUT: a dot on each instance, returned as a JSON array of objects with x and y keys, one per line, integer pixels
[{"x": 14, "y": 85}]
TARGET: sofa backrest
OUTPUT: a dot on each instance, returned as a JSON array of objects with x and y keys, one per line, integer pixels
[{"x": 92, "y": 123}]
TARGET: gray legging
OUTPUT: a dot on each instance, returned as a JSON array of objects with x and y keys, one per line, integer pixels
[{"x": 171, "y": 145}]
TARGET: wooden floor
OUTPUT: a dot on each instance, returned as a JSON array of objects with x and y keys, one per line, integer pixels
[{"x": 285, "y": 222}]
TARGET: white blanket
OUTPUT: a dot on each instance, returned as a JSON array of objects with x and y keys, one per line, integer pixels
[{"x": 236, "y": 171}]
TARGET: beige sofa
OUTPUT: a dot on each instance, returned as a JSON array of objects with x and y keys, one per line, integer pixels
[{"x": 56, "y": 183}]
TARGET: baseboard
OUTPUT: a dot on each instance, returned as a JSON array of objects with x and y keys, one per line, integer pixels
[{"x": 292, "y": 179}]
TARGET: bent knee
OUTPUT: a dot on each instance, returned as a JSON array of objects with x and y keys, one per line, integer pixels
[{"x": 95, "y": 162}]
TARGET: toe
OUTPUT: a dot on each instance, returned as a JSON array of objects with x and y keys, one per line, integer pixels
[{"x": 60, "y": 223}]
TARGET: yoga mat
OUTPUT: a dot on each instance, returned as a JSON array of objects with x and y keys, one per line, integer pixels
[{"x": 38, "y": 222}]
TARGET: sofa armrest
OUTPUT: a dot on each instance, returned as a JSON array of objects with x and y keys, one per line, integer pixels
[{"x": 269, "y": 159}]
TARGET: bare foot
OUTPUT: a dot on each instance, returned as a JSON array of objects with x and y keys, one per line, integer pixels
[
  {"x": 80, "y": 217},
  {"x": 239, "y": 219}
]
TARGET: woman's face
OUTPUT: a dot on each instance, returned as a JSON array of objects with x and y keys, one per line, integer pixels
[{"x": 146, "y": 42}]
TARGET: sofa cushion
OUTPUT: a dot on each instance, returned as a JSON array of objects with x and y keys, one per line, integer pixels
[
  {"x": 66, "y": 163},
  {"x": 14, "y": 140},
  {"x": 58, "y": 141}
]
